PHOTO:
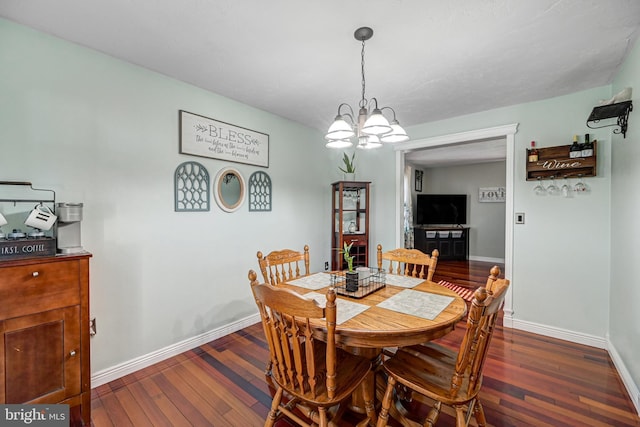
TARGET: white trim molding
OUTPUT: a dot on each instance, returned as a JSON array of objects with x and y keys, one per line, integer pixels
[
  {"x": 486, "y": 259},
  {"x": 126, "y": 368},
  {"x": 505, "y": 131},
  {"x": 625, "y": 375},
  {"x": 562, "y": 334}
]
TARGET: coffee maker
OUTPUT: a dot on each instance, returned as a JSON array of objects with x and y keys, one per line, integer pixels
[{"x": 69, "y": 219}]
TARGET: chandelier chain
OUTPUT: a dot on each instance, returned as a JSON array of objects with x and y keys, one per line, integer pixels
[{"x": 363, "y": 101}]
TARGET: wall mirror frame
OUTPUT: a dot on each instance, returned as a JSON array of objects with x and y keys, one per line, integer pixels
[{"x": 229, "y": 189}]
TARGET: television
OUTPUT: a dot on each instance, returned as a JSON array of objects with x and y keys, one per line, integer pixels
[{"x": 441, "y": 209}]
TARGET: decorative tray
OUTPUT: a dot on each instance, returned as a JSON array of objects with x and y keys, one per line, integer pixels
[{"x": 368, "y": 281}]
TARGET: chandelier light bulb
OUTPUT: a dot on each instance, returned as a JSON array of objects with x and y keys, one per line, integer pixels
[
  {"x": 397, "y": 134},
  {"x": 376, "y": 124},
  {"x": 339, "y": 143},
  {"x": 339, "y": 129},
  {"x": 368, "y": 142}
]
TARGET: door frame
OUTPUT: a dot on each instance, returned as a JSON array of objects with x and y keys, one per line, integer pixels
[{"x": 504, "y": 131}]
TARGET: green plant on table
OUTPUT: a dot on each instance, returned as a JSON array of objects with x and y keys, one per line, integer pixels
[
  {"x": 349, "y": 167},
  {"x": 347, "y": 257}
]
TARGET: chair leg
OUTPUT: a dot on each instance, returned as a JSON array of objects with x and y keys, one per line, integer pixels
[
  {"x": 383, "y": 418},
  {"x": 433, "y": 415},
  {"x": 461, "y": 416},
  {"x": 369, "y": 405},
  {"x": 478, "y": 412},
  {"x": 273, "y": 413},
  {"x": 323, "y": 417}
]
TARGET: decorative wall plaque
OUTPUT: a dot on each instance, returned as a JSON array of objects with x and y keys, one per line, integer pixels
[
  {"x": 259, "y": 192},
  {"x": 555, "y": 162},
  {"x": 205, "y": 137},
  {"x": 191, "y": 182},
  {"x": 491, "y": 194}
]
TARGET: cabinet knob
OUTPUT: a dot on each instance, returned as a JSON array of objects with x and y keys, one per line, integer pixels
[
  {"x": 35, "y": 274},
  {"x": 73, "y": 353}
]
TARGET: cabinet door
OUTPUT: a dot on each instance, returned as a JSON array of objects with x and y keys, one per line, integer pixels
[
  {"x": 460, "y": 248},
  {"x": 445, "y": 248},
  {"x": 40, "y": 357}
]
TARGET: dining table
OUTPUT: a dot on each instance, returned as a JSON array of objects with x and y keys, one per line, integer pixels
[{"x": 389, "y": 311}]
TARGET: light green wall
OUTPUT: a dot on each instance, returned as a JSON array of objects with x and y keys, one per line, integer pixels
[
  {"x": 105, "y": 133},
  {"x": 625, "y": 229}
]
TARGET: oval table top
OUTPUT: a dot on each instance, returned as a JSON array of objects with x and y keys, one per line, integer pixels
[{"x": 378, "y": 327}]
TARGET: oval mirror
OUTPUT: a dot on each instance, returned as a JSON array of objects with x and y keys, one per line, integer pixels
[{"x": 229, "y": 189}]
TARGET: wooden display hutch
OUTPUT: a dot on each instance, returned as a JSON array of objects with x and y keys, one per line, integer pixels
[
  {"x": 554, "y": 162},
  {"x": 350, "y": 222},
  {"x": 44, "y": 333}
]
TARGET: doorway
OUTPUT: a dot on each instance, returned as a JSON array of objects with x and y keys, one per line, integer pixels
[{"x": 507, "y": 132}]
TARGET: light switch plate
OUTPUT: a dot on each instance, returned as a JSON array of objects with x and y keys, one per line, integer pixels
[{"x": 519, "y": 217}]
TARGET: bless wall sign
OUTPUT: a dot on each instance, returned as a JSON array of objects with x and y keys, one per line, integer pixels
[{"x": 205, "y": 137}]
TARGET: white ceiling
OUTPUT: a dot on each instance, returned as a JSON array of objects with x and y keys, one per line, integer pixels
[
  {"x": 485, "y": 151},
  {"x": 428, "y": 59}
]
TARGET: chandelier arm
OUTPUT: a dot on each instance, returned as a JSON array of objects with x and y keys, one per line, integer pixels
[
  {"x": 349, "y": 114},
  {"x": 388, "y": 108}
]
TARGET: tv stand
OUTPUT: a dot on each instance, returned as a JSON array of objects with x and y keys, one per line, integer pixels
[{"x": 451, "y": 241}]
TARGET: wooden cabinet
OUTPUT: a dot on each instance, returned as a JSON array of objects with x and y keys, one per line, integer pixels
[
  {"x": 44, "y": 332},
  {"x": 350, "y": 222},
  {"x": 451, "y": 242}
]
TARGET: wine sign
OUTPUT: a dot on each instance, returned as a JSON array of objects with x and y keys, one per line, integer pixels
[
  {"x": 555, "y": 162},
  {"x": 206, "y": 137}
]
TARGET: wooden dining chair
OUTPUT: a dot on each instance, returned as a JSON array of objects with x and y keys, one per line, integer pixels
[
  {"x": 283, "y": 265},
  {"x": 315, "y": 375},
  {"x": 409, "y": 262},
  {"x": 445, "y": 376}
]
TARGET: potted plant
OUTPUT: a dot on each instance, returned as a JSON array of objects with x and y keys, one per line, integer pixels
[
  {"x": 351, "y": 275},
  {"x": 349, "y": 168}
]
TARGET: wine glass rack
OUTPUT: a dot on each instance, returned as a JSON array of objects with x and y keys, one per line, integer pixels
[{"x": 554, "y": 162}]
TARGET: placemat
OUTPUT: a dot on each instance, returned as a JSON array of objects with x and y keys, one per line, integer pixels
[
  {"x": 402, "y": 281},
  {"x": 416, "y": 303},
  {"x": 346, "y": 309},
  {"x": 314, "y": 281}
]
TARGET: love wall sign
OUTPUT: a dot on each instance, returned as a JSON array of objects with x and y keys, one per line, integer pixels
[{"x": 206, "y": 137}]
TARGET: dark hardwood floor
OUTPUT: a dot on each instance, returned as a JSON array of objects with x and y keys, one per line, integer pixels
[{"x": 529, "y": 380}]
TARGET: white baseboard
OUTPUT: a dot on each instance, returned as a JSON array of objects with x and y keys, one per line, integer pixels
[
  {"x": 126, "y": 368},
  {"x": 563, "y": 334},
  {"x": 507, "y": 318},
  {"x": 625, "y": 375},
  {"x": 486, "y": 259}
]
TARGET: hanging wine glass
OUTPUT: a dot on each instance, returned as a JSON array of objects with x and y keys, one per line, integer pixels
[
  {"x": 580, "y": 187},
  {"x": 539, "y": 189},
  {"x": 553, "y": 189},
  {"x": 566, "y": 188}
]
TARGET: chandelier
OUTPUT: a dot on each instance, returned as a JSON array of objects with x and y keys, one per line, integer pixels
[{"x": 371, "y": 129}]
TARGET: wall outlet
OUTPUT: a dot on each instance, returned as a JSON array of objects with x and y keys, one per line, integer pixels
[
  {"x": 92, "y": 326},
  {"x": 326, "y": 265}
]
